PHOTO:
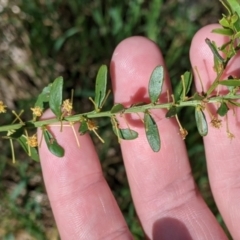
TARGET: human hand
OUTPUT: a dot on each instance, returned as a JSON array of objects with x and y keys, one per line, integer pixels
[{"x": 166, "y": 199}]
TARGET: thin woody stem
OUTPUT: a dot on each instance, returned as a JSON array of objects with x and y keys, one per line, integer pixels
[
  {"x": 215, "y": 83},
  {"x": 134, "y": 109}
]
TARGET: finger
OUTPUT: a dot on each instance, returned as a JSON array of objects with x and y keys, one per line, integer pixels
[
  {"x": 222, "y": 153},
  {"x": 166, "y": 199},
  {"x": 82, "y": 203}
]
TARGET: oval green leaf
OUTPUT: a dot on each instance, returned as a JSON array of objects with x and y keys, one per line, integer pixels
[
  {"x": 187, "y": 76},
  {"x": 223, "y": 109},
  {"x": 52, "y": 144},
  {"x": 233, "y": 83},
  {"x": 183, "y": 86},
  {"x": 17, "y": 133},
  {"x": 55, "y": 97},
  {"x": 43, "y": 97},
  {"x": 83, "y": 128},
  {"x": 152, "y": 133},
  {"x": 197, "y": 96},
  {"x": 126, "y": 134},
  {"x": 118, "y": 107},
  {"x": 224, "y": 22},
  {"x": 235, "y": 6},
  {"x": 100, "y": 86},
  {"x": 237, "y": 35},
  {"x": 202, "y": 125},
  {"x": 171, "y": 112},
  {"x": 223, "y": 31},
  {"x": 156, "y": 83}
]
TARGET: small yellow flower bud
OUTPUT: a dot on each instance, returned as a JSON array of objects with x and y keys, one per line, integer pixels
[
  {"x": 37, "y": 111},
  {"x": 2, "y": 107},
  {"x": 32, "y": 141},
  {"x": 91, "y": 125},
  {"x": 217, "y": 123},
  {"x": 67, "y": 106}
]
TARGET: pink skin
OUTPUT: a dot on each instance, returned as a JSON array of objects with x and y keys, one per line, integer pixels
[{"x": 164, "y": 193}]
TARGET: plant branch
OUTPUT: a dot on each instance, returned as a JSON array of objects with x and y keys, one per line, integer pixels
[{"x": 133, "y": 109}]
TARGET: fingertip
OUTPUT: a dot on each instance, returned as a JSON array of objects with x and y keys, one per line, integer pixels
[
  {"x": 206, "y": 31},
  {"x": 199, "y": 46},
  {"x": 131, "y": 66},
  {"x": 202, "y": 57}
]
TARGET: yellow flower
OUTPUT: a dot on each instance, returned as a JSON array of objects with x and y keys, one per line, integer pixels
[
  {"x": 37, "y": 111},
  {"x": 67, "y": 106},
  {"x": 32, "y": 141},
  {"x": 91, "y": 125},
  {"x": 2, "y": 107},
  {"x": 217, "y": 123}
]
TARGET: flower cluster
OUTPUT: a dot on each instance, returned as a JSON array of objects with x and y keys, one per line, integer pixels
[
  {"x": 37, "y": 111},
  {"x": 32, "y": 141},
  {"x": 2, "y": 107}
]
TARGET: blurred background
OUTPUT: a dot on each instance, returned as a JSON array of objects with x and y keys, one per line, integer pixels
[{"x": 42, "y": 39}]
